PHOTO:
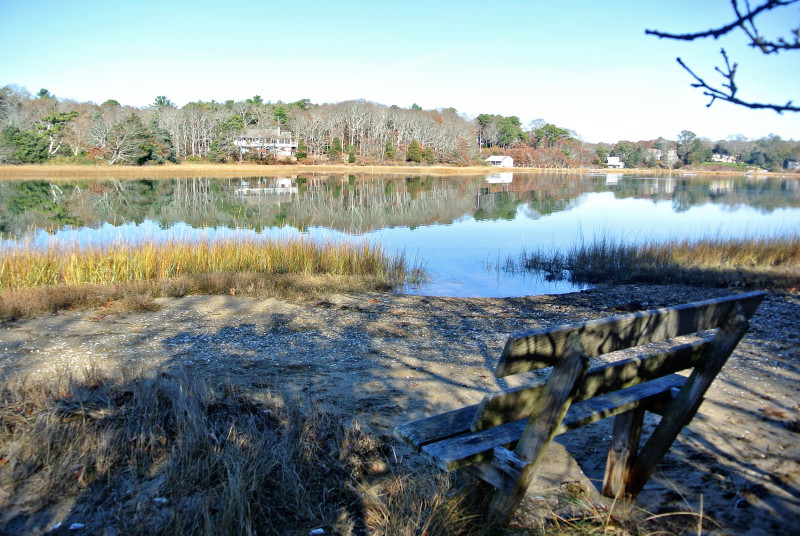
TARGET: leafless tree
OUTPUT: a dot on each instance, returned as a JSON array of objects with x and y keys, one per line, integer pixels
[{"x": 745, "y": 17}]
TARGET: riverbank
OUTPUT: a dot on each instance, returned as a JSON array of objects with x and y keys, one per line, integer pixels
[
  {"x": 54, "y": 172},
  {"x": 381, "y": 359}
]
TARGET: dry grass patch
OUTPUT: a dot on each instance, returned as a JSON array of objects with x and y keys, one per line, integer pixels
[
  {"x": 142, "y": 296},
  {"x": 753, "y": 263},
  {"x": 164, "y": 453}
]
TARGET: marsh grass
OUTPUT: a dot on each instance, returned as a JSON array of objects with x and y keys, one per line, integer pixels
[
  {"x": 750, "y": 262},
  {"x": 34, "y": 280},
  {"x": 165, "y": 453}
]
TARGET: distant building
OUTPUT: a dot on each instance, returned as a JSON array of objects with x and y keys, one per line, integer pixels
[
  {"x": 792, "y": 164},
  {"x": 501, "y": 161},
  {"x": 726, "y": 158},
  {"x": 614, "y": 162},
  {"x": 271, "y": 141}
]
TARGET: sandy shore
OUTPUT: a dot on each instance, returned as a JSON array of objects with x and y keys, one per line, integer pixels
[{"x": 387, "y": 359}]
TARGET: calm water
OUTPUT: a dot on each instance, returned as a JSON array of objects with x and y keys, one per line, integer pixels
[{"x": 460, "y": 227}]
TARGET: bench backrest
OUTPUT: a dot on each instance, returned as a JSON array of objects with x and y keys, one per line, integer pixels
[{"x": 537, "y": 349}]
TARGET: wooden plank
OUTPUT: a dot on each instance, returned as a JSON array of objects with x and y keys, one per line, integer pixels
[
  {"x": 466, "y": 449},
  {"x": 622, "y": 454},
  {"x": 437, "y": 428},
  {"x": 543, "y": 425},
  {"x": 514, "y": 404},
  {"x": 681, "y": 410},
  {"x": 537, "y": 349},
  {"x": 502, "y": 472}
]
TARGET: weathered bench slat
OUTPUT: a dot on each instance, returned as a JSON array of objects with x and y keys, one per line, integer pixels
[
  {"x": 538, "y": 349},
  {"x": 466, "y": 449},
  {"x": 514, "y": 404},
  {"x": 438, "y": 427}
]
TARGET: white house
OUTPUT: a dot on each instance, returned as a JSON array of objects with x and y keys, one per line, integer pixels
[
  {"x": 614, "y": 162},
  {"x": 267, "y": 141},
  {"x": 726, "y": 158},
  {"x": 501, "y": 161}
]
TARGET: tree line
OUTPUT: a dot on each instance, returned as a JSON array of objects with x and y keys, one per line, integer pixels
[{"x": 41, "y": 127}]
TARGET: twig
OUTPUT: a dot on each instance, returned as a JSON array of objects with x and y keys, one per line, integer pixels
[
  {"x": 745, "y": 21},
  {"x": 730, "y": 85}
]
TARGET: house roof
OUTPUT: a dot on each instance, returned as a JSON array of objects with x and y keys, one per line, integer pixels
[{"x": 497, "y": 158}]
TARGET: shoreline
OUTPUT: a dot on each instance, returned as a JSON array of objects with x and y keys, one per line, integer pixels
[{"x": 39, "y": 171}]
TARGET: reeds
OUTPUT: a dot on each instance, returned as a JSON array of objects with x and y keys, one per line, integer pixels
[
  {"x": 24, "y": 267},
  {"x": 769, "y": 262}
]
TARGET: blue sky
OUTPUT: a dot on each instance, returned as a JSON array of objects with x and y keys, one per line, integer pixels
[{"x": 584, "y": 65}]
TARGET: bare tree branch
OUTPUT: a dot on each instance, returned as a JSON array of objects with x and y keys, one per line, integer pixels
[
  {"x": 745, "y": 20},
  {"x": 729, "y": 95}
]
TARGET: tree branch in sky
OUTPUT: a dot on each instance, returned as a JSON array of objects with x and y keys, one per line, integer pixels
[{"x": 745, "y": 19}]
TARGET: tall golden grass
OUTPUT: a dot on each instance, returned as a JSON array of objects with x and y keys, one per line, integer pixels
[
  {"x": 751, "y": 262},
  {"x": 25, "y": 267}
]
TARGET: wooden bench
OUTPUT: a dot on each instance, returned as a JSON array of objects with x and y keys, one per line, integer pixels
[{"x": 503, "y": 439}]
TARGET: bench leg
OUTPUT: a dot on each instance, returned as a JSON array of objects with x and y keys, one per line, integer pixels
[
  {"x": 542, "y": 426},
  {"x": 681, "y": 410},
  {"x": 622, "y": 454}
]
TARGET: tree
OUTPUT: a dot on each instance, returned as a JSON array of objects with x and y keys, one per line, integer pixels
[
  {"x": 336, "y": 149},
  {"x": 509, "y": 131},
  {"x": 632, "y": 155},
  {"x": 302, "y": 149},
  {"x": 390, "y": 151},
  {"x": 127, "y": 141},
  {"x": 23, "y": 146},
  {"x": 691, "y": 149},
  {"x": 53, "y": 125},
  {"x": 280, "y": 114},
  {"x": 602, "y": 154},
  {"x": 44, "y": 94},
  {"x": 302, "y": 104},
  {"x": 414, "y": 152},
  {"x": 428, "y": 156},
  {"x": 416, "y": 107},
  {"x": 548, "y": 135},
  {"x": 223, "y": 147},
  {"x": 162, "y": 102},
  {"x": 744, "y": 19}
]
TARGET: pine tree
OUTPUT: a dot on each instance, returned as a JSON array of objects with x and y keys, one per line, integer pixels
[{"x": 414, "y": 152}]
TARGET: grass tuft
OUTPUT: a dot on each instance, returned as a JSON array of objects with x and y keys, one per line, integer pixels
[{"x": 752, "y": 263}]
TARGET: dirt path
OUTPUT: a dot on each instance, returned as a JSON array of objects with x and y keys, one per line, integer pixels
[{"x": 389, "y": 359}]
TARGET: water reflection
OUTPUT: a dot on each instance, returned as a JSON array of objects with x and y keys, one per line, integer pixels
[{"x": 455, "y": 223}]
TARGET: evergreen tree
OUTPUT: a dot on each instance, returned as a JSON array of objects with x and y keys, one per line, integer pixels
[
  {"x": 390, "y": 151},
  {"x": 414, "y": 152},
  {"x": 302, "y": 150}
]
